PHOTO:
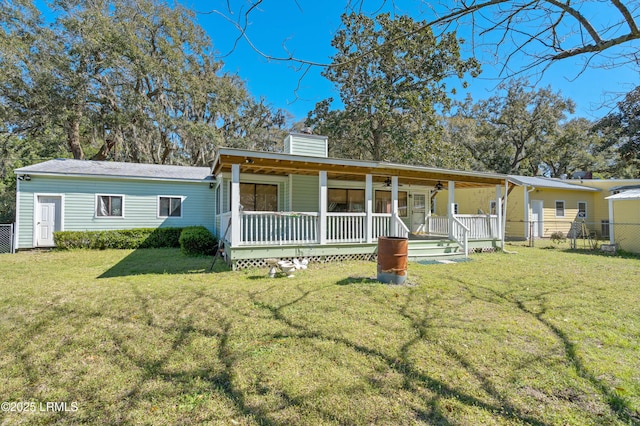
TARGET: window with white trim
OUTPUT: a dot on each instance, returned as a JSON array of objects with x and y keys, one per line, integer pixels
[
  {"x": 109, "y": 205},
  {"x": 582, "y": 209},
  {"x": 169, "y": 206},
  {"x": 559, "y": 208}
]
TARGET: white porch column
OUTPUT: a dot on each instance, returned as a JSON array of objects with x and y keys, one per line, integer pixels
[
  {"x": 322, "y": 209},
  {"x": 503, "y": 227},
  {"x": 368, "y": 208},
  {"x": 235, "y": 205},
  {"x": 451, "y": 193},
  {"x": 526, "y": 212},
  {"x": 498, "y": 231},
  {"x": 611, "y": 235},
  {"x": 394, "y": 205}
]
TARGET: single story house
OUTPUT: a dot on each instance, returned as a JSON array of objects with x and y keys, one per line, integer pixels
[{"x": 298, "y": 203}]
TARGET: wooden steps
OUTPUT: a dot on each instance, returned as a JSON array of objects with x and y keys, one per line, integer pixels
[{"x": 434, "y": 249}]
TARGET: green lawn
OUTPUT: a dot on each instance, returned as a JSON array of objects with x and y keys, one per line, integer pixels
[{"x": 541, "y": 337}]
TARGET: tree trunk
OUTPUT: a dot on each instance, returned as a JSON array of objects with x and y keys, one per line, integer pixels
[{"x": 73, "y": 138}]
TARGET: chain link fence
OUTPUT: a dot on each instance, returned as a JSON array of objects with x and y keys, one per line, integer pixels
[
  {"x": 581, "y": 234},
  {"x": 6, "y": 239}
]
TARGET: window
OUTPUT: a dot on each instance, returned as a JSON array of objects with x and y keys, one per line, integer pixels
[
  {"x": 169, "y": 206},
  {"x": 345, "y": 200},
  {"x": 258, "y": 197},
  {"x": 559, "y": 208},
  {"x": 110, "y": 206},
  {"x": 582, "y": 209},
  {"x": 383, "y": 202},
  {"x": 604, "y": 229}
]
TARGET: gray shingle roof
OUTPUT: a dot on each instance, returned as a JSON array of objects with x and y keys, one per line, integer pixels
[
  {"x": 630, "y": 194},
  {"x": 544, "y": 182},
  {"x": 68, "y": 167}
]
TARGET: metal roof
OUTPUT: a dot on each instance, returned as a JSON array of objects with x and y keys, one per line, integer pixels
[
  {"x": 544, "y": 182},
  {"x": 630, "y": 194},
  {"x": 69, "y": 167},
  {"x": 270, "y": 163}
]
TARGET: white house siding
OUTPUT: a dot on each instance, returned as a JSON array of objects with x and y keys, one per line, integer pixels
[{"x": 140, "y": 203}]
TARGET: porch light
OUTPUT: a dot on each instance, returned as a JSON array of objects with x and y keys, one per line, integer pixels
[
  {"x": 387, "y": 181},
  {"x": 248, "y": 160},
  {"x": 211, "y": 185},
  {"x": 439, "y": 186}
]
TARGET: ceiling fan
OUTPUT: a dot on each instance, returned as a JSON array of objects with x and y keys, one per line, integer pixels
[{"x": 387, "y": 182}]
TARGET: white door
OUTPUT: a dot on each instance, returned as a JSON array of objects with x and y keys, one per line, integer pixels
[
  {"x": 418, "y": 213},
  {"x": 537, "y": 218},
  {"x": 48, "y": 220}
]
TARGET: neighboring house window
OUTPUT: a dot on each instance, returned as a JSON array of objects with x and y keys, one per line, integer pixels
[
  {"x": 258, "y": 197},
  {"x": 110, "y": 206},
  {"x": 383, "y": 202},
  {"x": 345, "y": 200},
  {"x": 169, "y": 206},
  {"x": 559, "y": 208},
  {"x": 604, "y": 228},
  {"x": 582, "y": 209},
  {"x": 492, "y": 208}
]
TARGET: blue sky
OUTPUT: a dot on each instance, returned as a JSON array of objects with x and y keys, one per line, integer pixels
[{"x": 304, "y": 29}]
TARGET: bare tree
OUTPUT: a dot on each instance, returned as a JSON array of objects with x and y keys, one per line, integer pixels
[{"x": 544, "y": 31}]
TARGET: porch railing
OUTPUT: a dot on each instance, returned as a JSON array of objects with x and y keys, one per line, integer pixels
[
  {"x": 346, "y": 227},
  {"x": 277, "y": 228},
  {"x": 480, "y": 226},
  {"x": 270, "y": 228},
  {"x": 438, "y": 225},
  {"x": 460, "y": 234},
  {"x": 381, "y": 225}
]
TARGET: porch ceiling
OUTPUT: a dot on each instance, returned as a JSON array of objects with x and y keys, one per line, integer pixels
[{"x": 342, "y": 169}]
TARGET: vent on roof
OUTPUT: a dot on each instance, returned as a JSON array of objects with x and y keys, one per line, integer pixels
[{"x": 306, "y": 144}]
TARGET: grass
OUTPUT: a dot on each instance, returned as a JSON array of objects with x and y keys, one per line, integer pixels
[{"x": 542, "y": 337}]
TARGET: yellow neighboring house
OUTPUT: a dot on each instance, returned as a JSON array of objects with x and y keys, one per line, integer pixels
[
  {"x": 536, "y": 206},
  {"x": 624, "y": 211},
  {"x": 541, "y": 206}
]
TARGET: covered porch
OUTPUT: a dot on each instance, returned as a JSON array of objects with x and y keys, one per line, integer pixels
[{"x": 347, "y": 205}]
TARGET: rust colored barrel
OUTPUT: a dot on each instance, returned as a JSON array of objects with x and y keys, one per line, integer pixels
[{"x": 392, "y": 259}]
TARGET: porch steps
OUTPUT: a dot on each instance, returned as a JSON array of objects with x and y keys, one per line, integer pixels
[{"x": 434, "y": 249}]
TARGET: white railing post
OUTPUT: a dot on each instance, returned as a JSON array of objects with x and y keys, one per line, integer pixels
[
  {"x": 322, "y": 209},
  {"x": 451, "y": 188},
  {"x": 394, "y": 206},
  {"x": 498, "y": 232},
  {"x": 368, "y": 208},
  {"x": 235, "y": 205}
]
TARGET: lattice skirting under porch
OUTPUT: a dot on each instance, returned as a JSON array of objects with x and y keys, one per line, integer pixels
[
  {"x": 261, "y": 263},
  {"x": 482, "y": 250}
]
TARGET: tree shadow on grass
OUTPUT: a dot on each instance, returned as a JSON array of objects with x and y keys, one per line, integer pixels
[
  {"x": 358, "y": 280},
  {"x": 162, "y": 261},
  {"x": 619, "y": 407}
]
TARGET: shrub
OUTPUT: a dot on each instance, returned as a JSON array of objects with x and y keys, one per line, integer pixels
[
  {"x": 118, "y": 239},
  {"x": 197, "y": 240}
]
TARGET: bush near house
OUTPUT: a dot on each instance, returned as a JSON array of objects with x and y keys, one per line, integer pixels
[
  {"x": 118, "y": 239},
  {"x": 197, "y": 240}
]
